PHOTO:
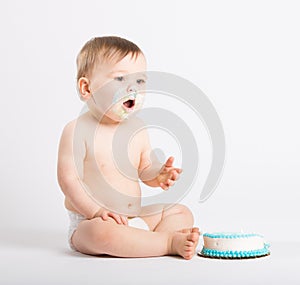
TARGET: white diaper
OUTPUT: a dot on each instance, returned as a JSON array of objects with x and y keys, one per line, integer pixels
[
  {"x": 138, "y": 223},
  {"x": 76, "y": 218}
]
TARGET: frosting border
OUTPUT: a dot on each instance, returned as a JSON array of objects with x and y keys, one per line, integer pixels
[{"x": 235, "y": 254}]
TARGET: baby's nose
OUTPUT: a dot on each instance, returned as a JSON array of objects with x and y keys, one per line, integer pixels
[{"x": 131, "y": 89}]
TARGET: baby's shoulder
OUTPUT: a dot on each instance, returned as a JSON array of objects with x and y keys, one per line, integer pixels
[
  {"x": 81, "y": 123},
  {"x": 69, "y": 128}
]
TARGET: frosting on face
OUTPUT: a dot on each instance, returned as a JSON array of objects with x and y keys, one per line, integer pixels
[
  {"x": 116, "y": 100},
  {"x": 124, "y": 105}
]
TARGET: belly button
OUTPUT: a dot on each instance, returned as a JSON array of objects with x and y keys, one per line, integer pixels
[{"x": 129, "y": 205}]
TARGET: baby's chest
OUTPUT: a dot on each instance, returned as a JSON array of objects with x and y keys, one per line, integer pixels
[{"x": 113, "y": 154}]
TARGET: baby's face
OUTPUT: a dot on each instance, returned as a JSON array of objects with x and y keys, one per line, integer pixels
[{"x": 117, "y": 88}]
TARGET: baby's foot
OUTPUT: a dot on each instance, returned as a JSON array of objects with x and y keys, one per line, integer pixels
[
  {"x": 189, "y": 230},
  {"x": 184, "y": 244}
]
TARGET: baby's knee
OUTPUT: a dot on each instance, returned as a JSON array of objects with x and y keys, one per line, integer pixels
[
  {"x": 184, "y": 210},
  {"x": 96, "y": 233},
  {"x": 92, "y": 236},
  {"x": 178, "y": 209}
]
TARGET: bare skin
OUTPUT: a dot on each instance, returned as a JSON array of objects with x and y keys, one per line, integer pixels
[
  {"x": 94, "y": 171},
  {"x": 103, "y": 237}
]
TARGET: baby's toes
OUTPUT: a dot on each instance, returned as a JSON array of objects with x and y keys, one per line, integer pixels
[
  {"x": 189, "y": 249},
  {"x": 189, "y": 245},
  {"x": 195, "y": 230},
  {"x": 194, "y": 237},
  {"x": 188, "y": 254}
]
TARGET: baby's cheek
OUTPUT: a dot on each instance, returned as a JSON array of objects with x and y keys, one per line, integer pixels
[{"x": 139, "y": 100}]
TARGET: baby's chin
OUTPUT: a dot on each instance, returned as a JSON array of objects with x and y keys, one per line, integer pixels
[
  {"x": 116, "y": 114},
  {"x": 118, "y": 118},
  {"x": 119, "y": 113}
]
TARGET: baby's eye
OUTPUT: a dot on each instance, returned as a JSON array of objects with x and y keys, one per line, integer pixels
[
  {"x": 119, "y": 78},
  {"x": 141, "y": 81}
]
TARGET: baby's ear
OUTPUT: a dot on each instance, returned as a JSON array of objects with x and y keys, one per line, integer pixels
[{"x": 84, "y": 88}]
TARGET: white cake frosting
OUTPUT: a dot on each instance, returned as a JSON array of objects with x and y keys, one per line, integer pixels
[{"x": 235, "y": 244}]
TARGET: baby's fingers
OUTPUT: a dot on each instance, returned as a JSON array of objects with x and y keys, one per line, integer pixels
[
  {"x": 163, "y": 186},
  {"x": 175, "y": 175},
  {"x": 116, "y": 217},
  {"x": 178, "y": 170},
  {"x": 170, "y": 182},
  {"x": 124, "y": 220},
  {"x": 104, "y": 216}
]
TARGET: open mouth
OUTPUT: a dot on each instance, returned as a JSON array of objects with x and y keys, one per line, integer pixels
[{"x": 129, "y": 104}]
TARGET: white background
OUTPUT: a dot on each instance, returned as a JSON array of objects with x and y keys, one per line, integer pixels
[{"x": 244, "y": 55}]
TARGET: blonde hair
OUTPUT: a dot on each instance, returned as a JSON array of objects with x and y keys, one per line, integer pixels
[{"x": 104, "y": 48}]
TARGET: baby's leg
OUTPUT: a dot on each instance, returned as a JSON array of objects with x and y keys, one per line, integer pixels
[
  {"x": 166, "y": 217},
  {"x": 107, "y": 237}
]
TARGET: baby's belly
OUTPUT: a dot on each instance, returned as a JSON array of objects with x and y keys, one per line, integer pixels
[{"x": 113, "y": 190}]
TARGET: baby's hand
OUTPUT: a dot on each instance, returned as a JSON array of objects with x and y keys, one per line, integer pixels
[
  {"x": 105, "y": 214},
  {"x": 168, "y": 174}
]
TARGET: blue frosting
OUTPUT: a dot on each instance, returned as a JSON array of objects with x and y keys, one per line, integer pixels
[
  {"x": 230, "y": 235},
  {"x": 235, "y": 254}
]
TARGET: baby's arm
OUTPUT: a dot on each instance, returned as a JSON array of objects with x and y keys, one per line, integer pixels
[
  {"x": 149, "y": 166},
  {"x": 151, "y": 171},
  {"x": 70, "y": 172},
  {"x": 70, "y": 177}
]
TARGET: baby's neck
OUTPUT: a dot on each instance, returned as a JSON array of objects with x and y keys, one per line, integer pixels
[{"x": 104, "y": 120}]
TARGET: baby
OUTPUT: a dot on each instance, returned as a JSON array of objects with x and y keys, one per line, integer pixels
[{"x": 104, "y": 204}]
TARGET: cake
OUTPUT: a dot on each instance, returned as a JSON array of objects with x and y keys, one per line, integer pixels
[{"x": 234, "y": 245}]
